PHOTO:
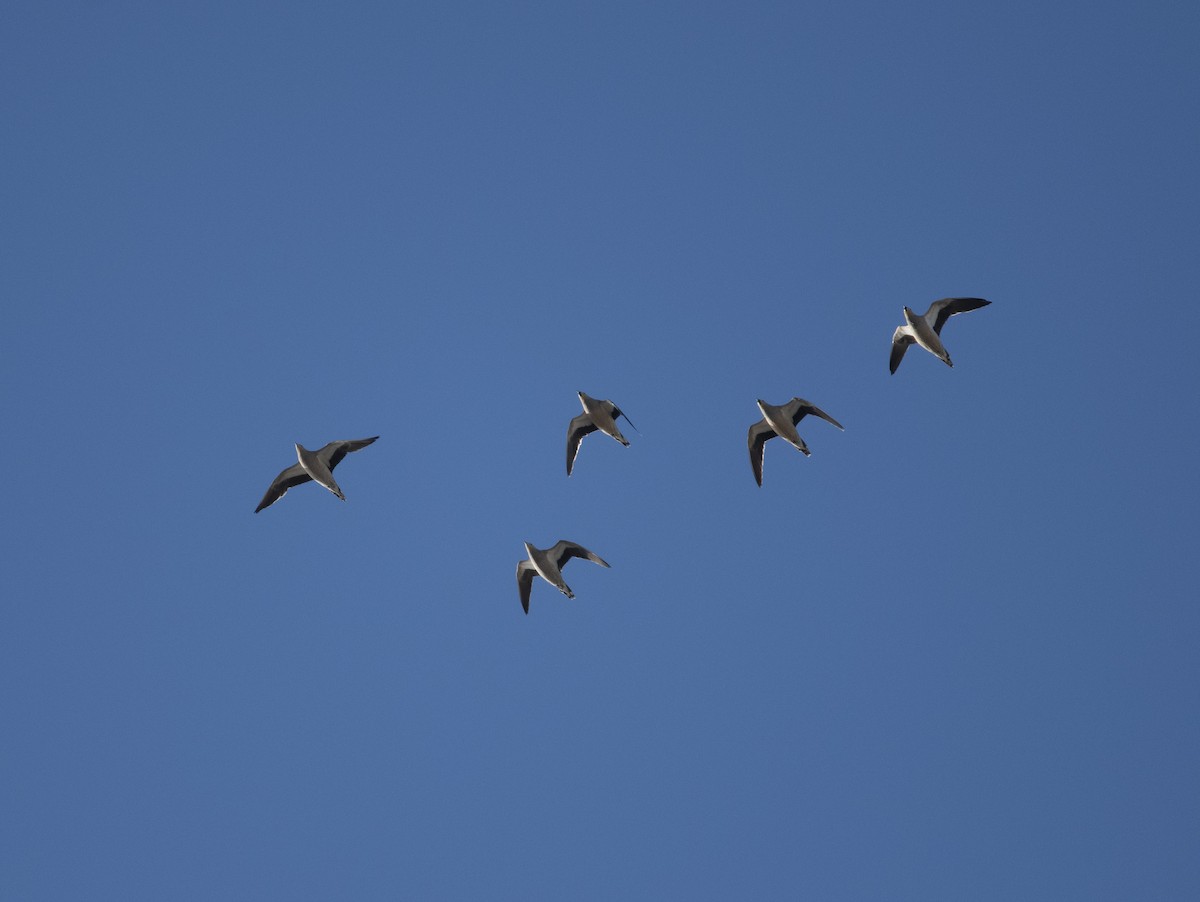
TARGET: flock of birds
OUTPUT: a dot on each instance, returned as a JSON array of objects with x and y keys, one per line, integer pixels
[{"x": 778, "y": 421}]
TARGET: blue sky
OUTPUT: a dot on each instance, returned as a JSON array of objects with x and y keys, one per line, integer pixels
[{"x": 951, "y": 655}]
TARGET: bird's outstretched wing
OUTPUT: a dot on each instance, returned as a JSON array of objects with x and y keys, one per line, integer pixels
[
  {"x": 798, "y": 408},
  {"x": 292, "y": 476},
  {"x": 756, "y": 440},
  {"x": 333, "y": 453},
  {"x": 580, "y": 426},
  {"x": 940, "y": 311},
  {"x": 563, "y": 551},
  {"x": 525, "y": 574},
  {"x": 617, "y": 412},
  {"x": 901, "y": 339}
]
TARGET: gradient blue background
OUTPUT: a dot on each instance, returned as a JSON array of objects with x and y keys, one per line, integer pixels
[{"x": 952, "y": 655}]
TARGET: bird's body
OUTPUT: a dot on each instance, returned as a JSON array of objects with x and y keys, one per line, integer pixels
[
  {"x": 315, "y": 466},
  {"x": 926, "y": 330},
  {"x": 781, "y": 421},
  {"x": 548, "y": 563},
  {"x": 597, "y": 414}
]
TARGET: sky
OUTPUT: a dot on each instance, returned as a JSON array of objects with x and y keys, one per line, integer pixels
[{"x": 951, "y": 655}]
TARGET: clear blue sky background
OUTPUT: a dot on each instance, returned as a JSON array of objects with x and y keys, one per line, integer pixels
[{"x": 952, "y": 655}]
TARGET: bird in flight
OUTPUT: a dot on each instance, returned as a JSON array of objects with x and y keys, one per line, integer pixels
[
  {"x": 316, "y": 466},
  {"x": 781, "y": 421},
  {"x": 548, "y": 563},
  {"x": 596, "y": 414},
  {"x": 926, "y": 330}
]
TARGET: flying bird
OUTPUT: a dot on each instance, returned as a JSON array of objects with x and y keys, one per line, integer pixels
[
  {"x": 596, "y": 414},
  {"x": 313, "y": 465},
  {"x": 781, "y": 421},
  {"x": 548, "y": 564},
  {"x": 926, "y": 330}
]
